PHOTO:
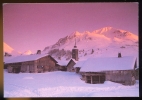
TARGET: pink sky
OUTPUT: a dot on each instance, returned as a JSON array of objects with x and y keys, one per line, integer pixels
[{"x": 35, "y": 26}]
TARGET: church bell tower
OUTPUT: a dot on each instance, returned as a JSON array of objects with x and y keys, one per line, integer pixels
[{"x": 75, "y": 52}]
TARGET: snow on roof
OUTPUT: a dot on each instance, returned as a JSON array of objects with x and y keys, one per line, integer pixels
[
  {"x": 79, "y": 64},
  {"x": 107, "y": 64},
  {"x": 5, "y": 59},
  {"x": 62, "y": 62},
  {"x": 24, "y": 58},
  {"x": 74, "y": 60}
]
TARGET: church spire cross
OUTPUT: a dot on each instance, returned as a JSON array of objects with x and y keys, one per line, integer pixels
[
  {"x": 75, "y": 44},
  {"x": 75, "y": 41}
]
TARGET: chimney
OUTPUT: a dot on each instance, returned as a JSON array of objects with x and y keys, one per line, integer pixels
[
  {"x": 119, "y": 55},
  {"x": 38, "y": 52}
]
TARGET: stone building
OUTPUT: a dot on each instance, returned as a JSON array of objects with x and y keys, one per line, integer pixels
[
  {"x": 70, "y": 65},
  {"x": 36, "y": 63},
  {"x": 74, "y": 59},
  {"x": 116, "y": 69}
]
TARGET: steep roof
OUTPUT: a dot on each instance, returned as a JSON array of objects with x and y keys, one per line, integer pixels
[
  {"x": 72, "y": 60},
  {"x": 24, "y": 58},
  {"x": 107, "y": 64}
]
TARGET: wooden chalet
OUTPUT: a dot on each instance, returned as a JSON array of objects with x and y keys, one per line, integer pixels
[
  {"x": 36, "y": 63},
  {"x": 116, "y": 69}
]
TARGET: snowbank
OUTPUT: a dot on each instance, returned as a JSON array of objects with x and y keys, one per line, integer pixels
[{"x": 62, "y": 84}]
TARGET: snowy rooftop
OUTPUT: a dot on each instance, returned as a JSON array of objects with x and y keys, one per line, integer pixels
[
  {"x": 62, "y": 62},
  {"x": 79, "y": 64},
  {"x": 74, "y": 60},
  {"x": 24, "y": 58},
  {"x": 5, "y": 59},
  {"x": 107, "y": 64}
]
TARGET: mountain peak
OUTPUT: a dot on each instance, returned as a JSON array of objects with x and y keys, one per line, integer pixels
[
  {"x": 27, "y": 52},
  {"x": 9, "y": 49},
  {"x": 109, "y": 28},
  {"x": 74, "y": 34}
]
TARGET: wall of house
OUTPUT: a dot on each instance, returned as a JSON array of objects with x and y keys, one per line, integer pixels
[
  {"x": 5, "y": 66},
  {"x": 9, "y": 68},
  {"x": 125, "y": 77},
  {"x": 62, "y": 68},
  {"x": 14, "y": 67},
  {"x": 45, "y": 64},
  {"x": 40, "y": 65},
  {"x": 77, "y": 69},
  {"x": 93, "y": 77},
  {"x": 137, "y": 74},
  {"x": 27, "y": 67},
  {"x": 70, "y": 67}
]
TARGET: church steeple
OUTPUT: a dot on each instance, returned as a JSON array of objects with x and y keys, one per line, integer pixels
[{"x": 75, "y": 52}]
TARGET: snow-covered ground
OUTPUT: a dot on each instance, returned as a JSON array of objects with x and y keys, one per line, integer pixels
[{"x": 62, "y": 84}]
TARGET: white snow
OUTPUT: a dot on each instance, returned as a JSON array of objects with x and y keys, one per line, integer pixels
[
  {"x": 62, "y": 84},
  {"x": 107, "y": 64},
  {"x": 62, "y": 62},
  {"x": 24, "y": 58},
  {"x": 5, "y": 59},
  {"x": 79, "y": 64}
]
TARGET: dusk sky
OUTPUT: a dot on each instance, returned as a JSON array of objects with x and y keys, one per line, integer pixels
[{"x": 33, "y": 26}]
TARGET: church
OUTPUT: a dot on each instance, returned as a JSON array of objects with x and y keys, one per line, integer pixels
[{"x": 74, "y": 59}]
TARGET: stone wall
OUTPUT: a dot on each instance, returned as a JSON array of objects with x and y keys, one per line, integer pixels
[
  {"x": 70, "y": 67},
  {"x": 125, "y": 77}
]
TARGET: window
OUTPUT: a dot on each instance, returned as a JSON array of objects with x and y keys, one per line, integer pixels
[{"x": 40, "y": 66}]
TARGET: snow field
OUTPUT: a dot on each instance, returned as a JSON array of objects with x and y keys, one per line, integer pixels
[{"x": 62, "y": 84}]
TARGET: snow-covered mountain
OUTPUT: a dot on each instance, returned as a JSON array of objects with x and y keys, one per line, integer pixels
[
  {"x": 8, "y": 49},
  {"x": 104, "y": 42}
]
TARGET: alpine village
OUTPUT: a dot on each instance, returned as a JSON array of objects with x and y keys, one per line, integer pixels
[{"x": 92, "y": 70}]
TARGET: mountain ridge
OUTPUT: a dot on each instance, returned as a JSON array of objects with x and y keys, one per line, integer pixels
[
  {"x": 8, "y": 49},
  {"x": 107, "y": 38}
]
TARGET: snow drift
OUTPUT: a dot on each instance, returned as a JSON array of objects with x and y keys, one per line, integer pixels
[{"x": 62, "y": 84}]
